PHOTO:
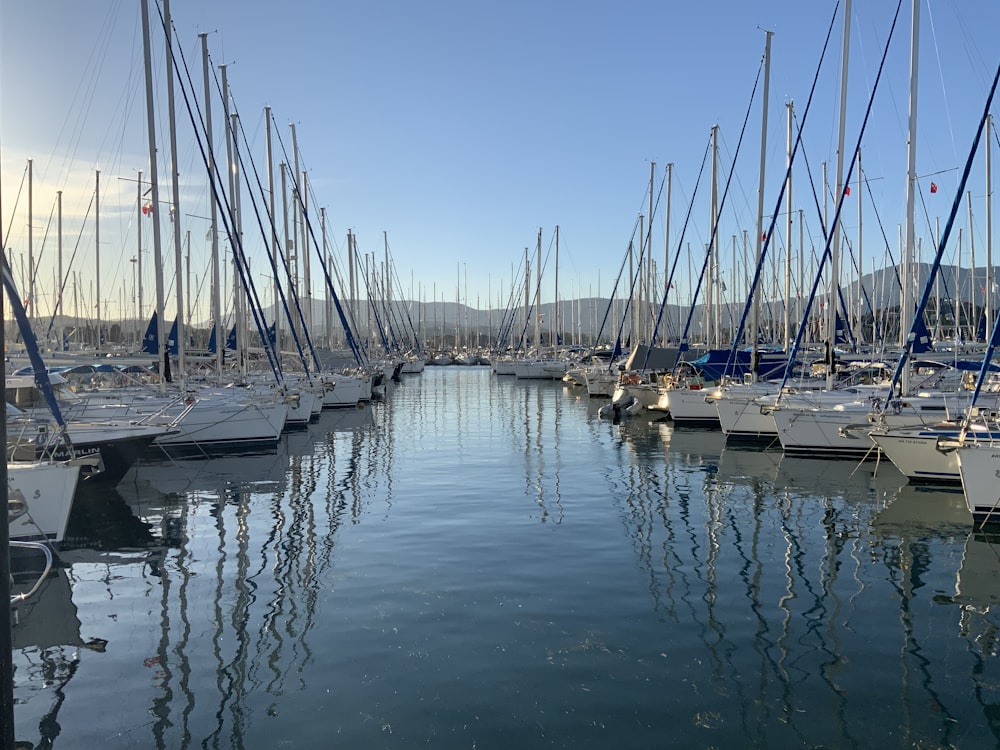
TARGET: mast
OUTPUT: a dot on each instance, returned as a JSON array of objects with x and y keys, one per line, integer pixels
[
  {"x": 712, "y": 330},
  {"x": 328, "y": 305},
  {"x": 275, "y": 256},
  {"x": 234, "y": 239},
  {"x": 220, "y": 329},
  {"x": 790, "y": 107},
  {"x": 538, "y": 292},
  {"x": 527, "y": 292},
  {"x": 353, "y": 280},
  {"x": 306, "y": 279},
  {"x": 832, "y": 300},
  {"x": 648, "y": 278},
  {"x": 755, "y": 308},
  {"x": 138, "y": 257},
  {"x": 974, "y": 319},
  {"x": 97, "y": 252},
  {"x": 906, "y": 304},
  {"x": 175, "y": 197},
  {"x": 241, "y": 261},
  {"x": 989, "y": 224},
  {"x": 298, "y": 207},
  {"x": 861, "y": 268},
  {"x": 555, "y": 318},
  {"x": 163, "y": 361},
  {"x": 31, "y": 251},
  {"x": 666, "y": 241},
  {"x": 59, "y": 240}
]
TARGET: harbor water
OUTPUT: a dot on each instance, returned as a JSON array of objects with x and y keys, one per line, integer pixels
[{"x": 482, "y": 562}]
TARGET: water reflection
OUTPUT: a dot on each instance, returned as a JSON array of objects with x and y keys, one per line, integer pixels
[{"x": 483, "y": 562}]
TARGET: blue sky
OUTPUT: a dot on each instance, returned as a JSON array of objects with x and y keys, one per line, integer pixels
[{"x": 460, "y": 129}]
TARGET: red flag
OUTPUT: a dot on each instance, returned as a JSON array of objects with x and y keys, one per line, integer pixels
[
  {"x": 847, "y": 190},
  {"x": 933, "y": 187}
]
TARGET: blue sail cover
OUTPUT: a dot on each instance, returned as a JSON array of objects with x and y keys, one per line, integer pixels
[
  {"x": 840, "y": 336},
  {"x": 922, "y": 337},
  {"x": 717, "y": 363},
  {"x": 172, "y": 339},
  {"x": 211, "y": 339},
  {"x": 151, "y": 341},
  {"x": 271, "y": 335}
]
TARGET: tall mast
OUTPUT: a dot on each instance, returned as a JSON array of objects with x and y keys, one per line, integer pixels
[
  {"x": 906, "y": 304},
  {"x": 833, "y": 298},
  {"x": 527, "y": 291},
  {"x": 59, "y": 283},
  {"x": 755, "y": 307},
  {"x": 790, "y": 107},
  {"x": 648, "y": 277},
  {"x": 162, "y": 356},
  {"x": 275, "y": 255},
  {"x": 298, "y": 203},
  {"x": 328, "y": 304},
  {"x": 242, "y": 262},
  {"x": 213, "y": 175},
  {"x": 31, "y": 253},
  {"x": 713, "y": 249},
  {"x": 666, "y": 238},
  {"x": 555, "y": 317},
  {"x": 538, "y": 291},
  {"x": 988, "y": 127},
  {"x": 175, "y": 195},
  {"x": 234, "y": 229},
  {"x": 138, "y": 256},
  {"x": 97, "y": 253},
  {"x": 861, "y": 286}
]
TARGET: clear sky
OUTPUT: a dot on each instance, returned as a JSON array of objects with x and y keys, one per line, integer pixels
[{"x": 460, "y": 129}]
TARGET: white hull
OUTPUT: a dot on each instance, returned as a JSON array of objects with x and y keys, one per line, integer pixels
[
  {"x": 979, "y": 465},
  {"x": 541, "y": 369},
  {"x": 917, "y": 455},
  {"x": 412, "y": 366},
  {"x": 228, "y": 424},
  {"x": 345, "y": 390},
  {"x": 745, "y": 413},
  {"x": 647, "y": 394},
  {"x": 47, "y": 490},
  {"x": 600, "y": 384},
  {"x": 842, "y": 429},
  {"x": 694, "y": 406}
]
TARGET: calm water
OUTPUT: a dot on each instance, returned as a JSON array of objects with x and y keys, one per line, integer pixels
[{"x": 480, "y": 562}]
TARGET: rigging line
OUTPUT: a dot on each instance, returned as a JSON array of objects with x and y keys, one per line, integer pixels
[
  {"x": 69, "y": 265},
  {"x": 33, "y": 272},
  {"x": 988, "y": 356},
  {"x": 669, "y": 282},
  {"x": 342, "y": 314},
  {"x": 715, "y": 224},
  {"x": 840, "y": 200},
  {"x": 348, "y": 333},
  {"x": 827, "y": 239},
  {"x": 878, "y": 219},
  {"x": 944, "y": 88},
  {"x": 270, "y": 258},
  {"x": 242, "y": 264},
  {"x": 17, "y": 200},
  {"x": 956, "y": 204}
]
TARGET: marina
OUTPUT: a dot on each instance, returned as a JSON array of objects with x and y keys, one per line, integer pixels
[
  {"x": 483, "y": 561},
  {"x": 281, "y": 485}
]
